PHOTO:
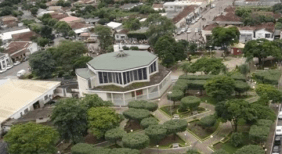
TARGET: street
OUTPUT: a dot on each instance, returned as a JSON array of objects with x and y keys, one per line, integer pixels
[
  {"x": 13, "y": 71},
  {"x": 220, "y": 5}
]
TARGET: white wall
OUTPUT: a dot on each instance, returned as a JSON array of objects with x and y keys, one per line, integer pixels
[
  {"x": 119, "y": 37},
  {"x": 33, "y": 48},
  {"x": 261, "y": 34},
  {"x": 82, "y": 85}
]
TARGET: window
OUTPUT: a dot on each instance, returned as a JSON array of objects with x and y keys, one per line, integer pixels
[
  {"x": 135, "y": 73},
  {"x": 124, "y": 78},
  {"x": 110, "y": 77},
  {"x": 100, "y": 77},
  {"x": 267, "y": 35},
  {"x": 140, "y": 74},
  {"x": 144, "y": 74},
  {"x": 127, "y": 77},
  {"x": 153, "y": 68},
  {"x": 105, "y": 77}
]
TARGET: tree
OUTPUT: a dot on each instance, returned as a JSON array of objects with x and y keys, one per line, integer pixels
[
  {"x": 209, "y": 65},
  {"x": 42, "y": 64},
  {"x": 114, "y": 135},
  {"x": 236, "y": 139},
  {"x": 241, "y": 87},
  {"x": 70, "y": 118},
  {"x": 277, "y": 8},
  {"x": 225, "y": 37},
  {"x": 193, "y": 48},
  {"x": 132, "y": 24},
  {"x": 136, "y": 114},
  {"x": 220, "y": 87},
  {"x": 148, "y": 122},
  {"x": 236, "y": 109},
  {"x": 244, "y": 69},
  {"x": 124, "y": 151},
  {"x": 156, "y": 133},
  {"x": 94, "y": 100},
  {"x": 176, "y": 95},
  {"x": 258, "y": 134},
  {"x": 175, "y": 126},
  {"x": 158, "y": 26},
  {"x": 207, "y": 121},
  {"x": 220, "y": 152},
  {"x": 62, "y": 27},
  {"x": 264, "y": 122},
  {"x": 166, "y": 46},
  {"x": 81, "y": 62},
  {"x": 46, "y": 32},
  {"x": 102, "y": 119},
  {"x": 187, "y": 68},
  {"x": 250, "y": 149},
  {"x": 193, "y": 151},
  {"x": 31, "y": 138},
  {"x": 264, "y": 112},
  {"x": 191, "y": 102},
  {"x": 142, "y": 104},
  {"x": 34, "y": 10},
  {"x": 135, "y": 141},
  {"x": 105, "y": 37},
  {"x": 270, "y": 91},
  {"x": 42, "y": 41}
]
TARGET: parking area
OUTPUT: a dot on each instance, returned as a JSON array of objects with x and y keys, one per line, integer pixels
[{"x": 13, "y": 71}]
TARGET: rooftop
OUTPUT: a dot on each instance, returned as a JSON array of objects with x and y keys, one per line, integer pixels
[
  {"x": 78, "y": 25},
  {"x": 16, "y": 46},
  {"x": 111, "y": 62},
  {"x": 267, "y": 26},
  {"x": 154, "y": 79},
  {"x": 9, "y": 18},
  {"x": 16, "y": 94},
  {"x": 182, "y": 3},
  {"x": 58, "y": 16},
  {"x": 210, "y": 26},
  {"x": 8, "y": 35},
  {"x": 113, "y": 25},
  {"x": 84, "y": 73},
  {"x": 158, "y": 5},
  {"x": 23, "y": 36},
  {"x": 184, "y": 13},
  {"x": 70, "y": 19}
]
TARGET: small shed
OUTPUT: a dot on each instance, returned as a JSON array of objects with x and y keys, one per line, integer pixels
[{"x": 237, "y": 49}]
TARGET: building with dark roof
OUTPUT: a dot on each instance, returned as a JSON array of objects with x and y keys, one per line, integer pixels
[
  {"x": 124, "y": 76},
  {"x": 188, "y": 13}
]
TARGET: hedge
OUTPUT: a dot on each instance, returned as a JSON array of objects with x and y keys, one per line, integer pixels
[
  {"x": 138, "y": 36},
  {"x": 241, "y": 86},
  {"x": 267, "y": 77},
  {"x": 142, "y": 104}
]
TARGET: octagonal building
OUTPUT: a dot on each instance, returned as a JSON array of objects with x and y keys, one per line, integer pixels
[{"x": 124, "y": 76}]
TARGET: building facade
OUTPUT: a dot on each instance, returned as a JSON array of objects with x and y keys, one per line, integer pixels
[
  {"x": 124, "y": 76},
  {"x": 5, "y": 62}
]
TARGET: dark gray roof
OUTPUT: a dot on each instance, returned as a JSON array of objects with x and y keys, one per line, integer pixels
[
  {"x": 112, "y": 62},
  {"x": 84, "y": 73}
]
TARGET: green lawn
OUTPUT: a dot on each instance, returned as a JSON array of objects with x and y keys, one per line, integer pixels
[
  {"x": 167, "y": 142},
  {"x": 170, "y": 110},
  {"x": 200, "y": 131}
]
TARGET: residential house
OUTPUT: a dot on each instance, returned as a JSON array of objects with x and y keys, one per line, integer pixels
[
  {"x": 158, "y": 6},
  {"x": 179, "y": 5},
  {"x": 41, "y": 13},
  {"x": 228, "y": 17},
  {"x": 112, "y": 76},
  {"x": 9, "y": 21},
  {"x": 86, "y": 2},
  {"x": 114, "y": 25},
  {"x": 121, "y": 35},
  {"x": 129, "y": 6},
  {"x": 5, "y": 62},
  {"x": 23, "y": 96},
  {"x": 71, "y": 19},
  {"x": 186, "y": 15},
  {"x": 237, "y": 48},
  {"x": 80, "y": 27},
  {"x": 7, "y": 36},
  {"x": 24, "y": 36},
  {"x": 19, "y": 50},
  {"x": 55, "y": 8},
  {"x": 256, "y": 2},
  {"x": 58, "y": 15}
]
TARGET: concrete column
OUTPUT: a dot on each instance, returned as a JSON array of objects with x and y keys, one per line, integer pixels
[
  {"x": 112, "y": 96},
  {"x": 147, "y": 93},
  {"x": 123, "y": 99}
]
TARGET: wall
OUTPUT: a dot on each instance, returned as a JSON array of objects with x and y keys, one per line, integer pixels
[
  {"x": 261, "y": 34},
  {"x": 33, "y": 48},
  {"x": 82, "y": 85},
  {"x": 118, "y": 37},
  {"x": 205, "y": 33}
]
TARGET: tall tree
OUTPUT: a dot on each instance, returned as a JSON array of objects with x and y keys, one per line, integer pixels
[
  {"x": 158, "y": 26},
  {"x": 236, "y": 109},
  {"x": 70, "y": 118},
  {"x": 225, "y": 36},
  {"x": 46, "y": 32},
  {"x": 31, "y": 138},
  {"x": 102, "y": 119},
  {"x": 42, "y": 64},
  {"x": 220, "y": 87},
  {"x": 209, "y": 65},
  {"x": 270, "y": 91},
  {"x": 105, "y": 37},
  {"x": 132, "y": 24},
  {"x": 94, "y": 100},
  {"x": 62, "y": 27}
]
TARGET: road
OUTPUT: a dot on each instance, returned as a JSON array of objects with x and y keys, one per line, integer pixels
[
  {"x": 13, "y": 71},
  {"x": 220, "y": 5}
]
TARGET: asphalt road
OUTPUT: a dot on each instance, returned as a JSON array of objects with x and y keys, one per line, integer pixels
[
  {"x": 14, "y": 70},
  {"x": 220, "y": 5}
]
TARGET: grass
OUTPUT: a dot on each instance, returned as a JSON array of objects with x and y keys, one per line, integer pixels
[
  {"x": 132, "y": 125},
  {"x": 167, "y": 142},
  {"x": 201, "y": 132},
  {"x": 170, "y": 110},
  {"x": 227, "y": 146}
]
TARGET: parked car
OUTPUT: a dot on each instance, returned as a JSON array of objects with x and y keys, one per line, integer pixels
[
  {"x": 278, "y": 130},
  {"x": 17, "y": 63},
  {"x": 21, "y": 73},
  {"x": 276, "y": 149},
  {"x": 277, "y": 140},
  {"x": 280, "y": 115}
]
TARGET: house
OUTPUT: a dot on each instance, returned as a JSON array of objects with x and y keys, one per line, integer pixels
[
  {"x": 157, "y": 6},
  {"x": 237, "y": 49},
  {"x": 256, "y": 2},
  {"x": 24, "y": 36},
  {"x": 71, "y": 19},
  {"x": 207, "y": 31},
  {"x": 228, "y": 17},
  {"x": 129, "y": 6},
  {"x": 41, "y": 13},
  {"x": 80, "y": 27},
  {"x": 18, "y": 50},
  {"x": 7, "y": 36},
  {"x": 187, "y": 14},
  {"x": 55, "y": 8},
  {"x": 114, "y": 25},
  {"x": 5, "y": 62},
  {"x": 121, "y": 35},
  {"x": 115, "y": 77},
  {"x": 58, "y": 15},
  {"x": 179, "y": 5},
  {"x": 9, "y": 21},
  {"x": 23, "y": 96}
]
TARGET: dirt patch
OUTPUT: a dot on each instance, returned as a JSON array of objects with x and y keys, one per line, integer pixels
[
  {"x": 91, "y": 139},
  {"x": 200, "y": 131},
  {"x": 167, "y": 141},
  {"x": 132, "y": 125}
]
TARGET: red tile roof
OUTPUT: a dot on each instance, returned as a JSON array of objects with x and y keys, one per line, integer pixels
[
  {"x": 210, "y": 27},
  {"x": 78, "y": 25},
  {"x": 157, "y": 5},
  {"x": 267, "y": 26},
  {"x": 16, "y": 46},
  {"x": 186, "y": 11},
  {"x": 23, "y": 36},
  {"x": 58, "y": 16},
  {"x": 228, "y": 16}
]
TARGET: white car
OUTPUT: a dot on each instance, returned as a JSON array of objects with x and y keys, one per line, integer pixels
[
  {"x": 17, "y": 63},
  {"x": 278, "y": 130},
  {"x": 280, "y": 115}
]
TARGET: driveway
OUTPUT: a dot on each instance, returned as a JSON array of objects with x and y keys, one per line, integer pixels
[{"x": 14, "y": 70}]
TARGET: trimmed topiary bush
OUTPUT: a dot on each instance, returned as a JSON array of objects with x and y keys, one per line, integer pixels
[
  {"x": 114, "y": 135},
  {"x": 142, "y": 104},
  {"x": 148, "y": 121},
  {"x": 156, "y": 132},
  {"x": 191, "y": 102},
  {"x": 236, "y": 139},
  {"x": 207, "y": 121},
  {"x": 136, "y": 114},
  {"x": 135, "y": 141}
]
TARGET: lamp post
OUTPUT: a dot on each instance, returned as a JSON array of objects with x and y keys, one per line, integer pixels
[
  {"x": 187, "y": 24},
  {"x": 158, "y": 148},
  {"x": 170, "y": 100},
  {"x": 265, "y": 150}
]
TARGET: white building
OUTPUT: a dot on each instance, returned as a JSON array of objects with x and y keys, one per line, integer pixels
[
  {"x": 6, "y": 37},
  {"x": 179, "y": 5},
  {"x": 21, "y": 96},
  {"x": 124, "y": 76},
  {"x": 5, "y": 62},
  {"x": 114, "y": 25}
]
